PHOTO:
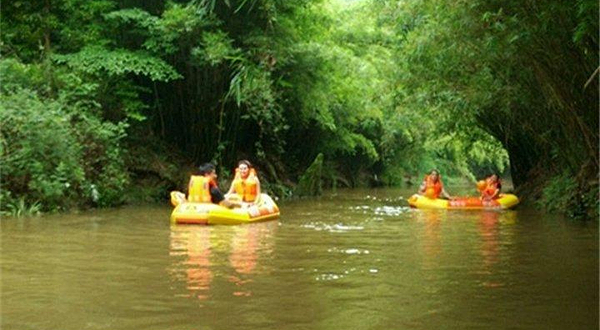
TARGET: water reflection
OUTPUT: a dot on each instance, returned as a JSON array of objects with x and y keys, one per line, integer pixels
[
  {"x": 486, "y": 238},
  {"x": 193, "y": 243},
  {"x": 495, "y": 233},
  {"x": 488, "y": 232},
  {"x": 201, "y": 255},
  {"x": 431, "y": 239}
]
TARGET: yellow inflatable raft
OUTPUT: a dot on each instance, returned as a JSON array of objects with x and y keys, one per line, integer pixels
[
  {"x": 212, "y": 214},
  {"x": 505, "y": 201}
]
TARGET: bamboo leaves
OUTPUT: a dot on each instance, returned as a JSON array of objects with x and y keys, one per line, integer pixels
[{"x": 98, "y": 60}]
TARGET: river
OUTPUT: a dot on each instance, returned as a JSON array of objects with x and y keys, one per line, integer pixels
[{"x": 353, "y": 259}]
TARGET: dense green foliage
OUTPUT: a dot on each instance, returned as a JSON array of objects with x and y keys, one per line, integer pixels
[
  {"x": 55, "y": 151},
  {"x": 523, "y": 72},
  {"x": 310, "y": 183},
  {"x": 99, "y": 97}
]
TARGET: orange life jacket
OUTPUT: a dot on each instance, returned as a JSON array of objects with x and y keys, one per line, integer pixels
[
  {"x": 491, "y": 188},
  {"x": 481, "y": 185},
  {"x": 246, "y": 188},
  {"x": 199, "y": 189},
  {"x": 433, "y": 189}
]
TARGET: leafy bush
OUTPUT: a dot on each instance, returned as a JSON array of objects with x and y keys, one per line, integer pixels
[
  {"x": 557, "y": 195},
  {"x": 54, "y": 152},
  {"x": 310, "y": 183},
  {"x": 41, "y": 155},
  {"x": 21, "y": 208},
  {"x": 564, "y": 194},
  {"x": 591, "y": 202}
]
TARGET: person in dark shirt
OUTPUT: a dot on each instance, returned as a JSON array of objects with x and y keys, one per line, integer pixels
[{"x": 208, "y": 170}]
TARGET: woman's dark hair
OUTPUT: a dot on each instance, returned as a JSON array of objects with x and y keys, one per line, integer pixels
[
  {"x": 245, "y": 162},
  {"x": 206, "y": 168},
  {"x": 498, "y": 182}
]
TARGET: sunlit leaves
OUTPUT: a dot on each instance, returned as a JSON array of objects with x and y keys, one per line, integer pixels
[
  {"x": 97, "y": 60},
  {"x": 134, "y": 16},
  {"x": 216, "y": 48}
]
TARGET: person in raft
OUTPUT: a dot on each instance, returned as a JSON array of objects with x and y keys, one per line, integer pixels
[
  {"x": 432, "y": 186},
  {"x": 490, "y": 187},
  {"x": 203, "y": 188},
  {"x": 245, "y": 186}
]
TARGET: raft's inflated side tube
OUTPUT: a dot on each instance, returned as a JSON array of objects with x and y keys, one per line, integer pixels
[
  {"x": 213, "y": 214},
  {"x": 505, "y": 201}
]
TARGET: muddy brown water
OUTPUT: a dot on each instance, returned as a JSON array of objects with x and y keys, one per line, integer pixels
[{"x": 354, "y": 259}]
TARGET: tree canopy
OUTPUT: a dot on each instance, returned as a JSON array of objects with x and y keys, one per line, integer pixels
[{"x": 101, "y": 96}]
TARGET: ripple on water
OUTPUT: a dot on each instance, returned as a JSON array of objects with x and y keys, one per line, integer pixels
[
  {"x": 348, "y": 273},
  {"x": 336, "y": 228},
  {"x": 329, "y": 277},
  {"x": 347, "y": 262},
  {"x": 348, "y": 251},
  {"x": 391, "y": 210},
  {"x": 384, "y": 210},
  {"x": 385, "y": 199}
]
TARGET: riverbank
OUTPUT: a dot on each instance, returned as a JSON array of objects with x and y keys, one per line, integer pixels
[{"x": 152, "y": 177}]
